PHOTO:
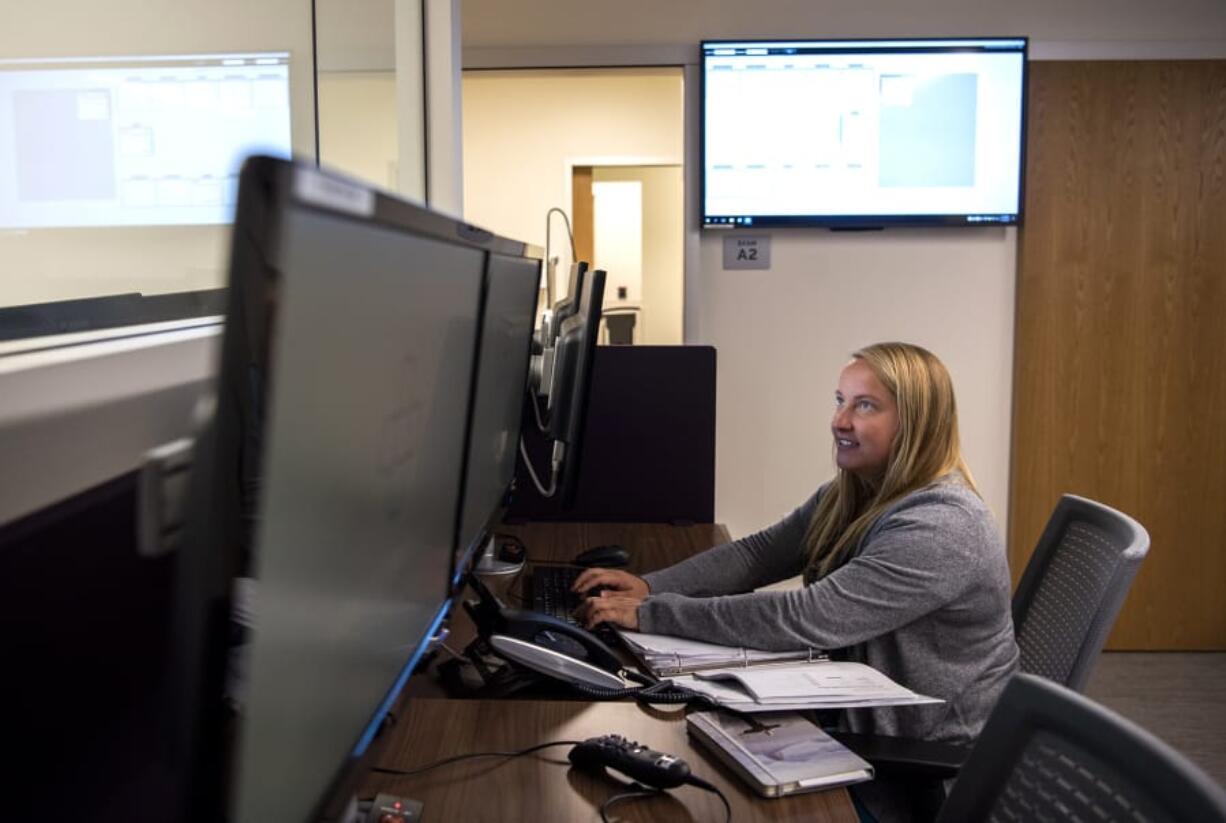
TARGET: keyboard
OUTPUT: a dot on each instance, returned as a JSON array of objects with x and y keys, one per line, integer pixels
[{"x": 551, "y": 592}]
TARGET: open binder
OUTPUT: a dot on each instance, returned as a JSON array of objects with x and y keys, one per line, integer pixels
[
  {"x": 752, "y": 680},
  {"x": 665, "y": 656}
]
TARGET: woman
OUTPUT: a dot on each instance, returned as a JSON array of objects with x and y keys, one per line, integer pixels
[{"x": 903, "y": 565}]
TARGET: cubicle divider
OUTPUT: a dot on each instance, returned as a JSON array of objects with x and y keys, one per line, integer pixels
[
  {"x": 86, "y": 631},
  {"x": 648, "y": 451}
]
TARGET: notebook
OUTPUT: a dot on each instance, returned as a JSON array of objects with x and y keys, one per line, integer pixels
[{"x": 779, "y": 755}]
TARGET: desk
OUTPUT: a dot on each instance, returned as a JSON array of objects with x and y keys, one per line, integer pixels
[{"x": 543, "y": 787}]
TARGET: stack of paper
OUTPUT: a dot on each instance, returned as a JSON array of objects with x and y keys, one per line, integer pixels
[
  {"x": 794, "y": 686},
  {"x": 665, "y": 655}
]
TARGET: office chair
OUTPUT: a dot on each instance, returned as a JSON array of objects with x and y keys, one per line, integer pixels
[
  {"x": 1063, "y": 610},
  {"x": 618, "y": 324},
  {"x": 1047, "y": 753},
  {"x": 1073, "y": 588}
]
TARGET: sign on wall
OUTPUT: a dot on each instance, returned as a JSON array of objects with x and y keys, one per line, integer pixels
[{"x": 741, "y": 252}]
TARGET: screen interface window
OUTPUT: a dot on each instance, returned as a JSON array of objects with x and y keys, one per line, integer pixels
[
  {"x": 840, "y": 128},
  {"x": 136, "y": 141}
]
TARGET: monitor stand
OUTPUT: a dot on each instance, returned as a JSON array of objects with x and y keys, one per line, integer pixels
[{"x": 499, "y": 559}]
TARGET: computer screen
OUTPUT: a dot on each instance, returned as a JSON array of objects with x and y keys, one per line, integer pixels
[
  {"x": 576, "y": 349},
  {"x": 863, "y": 133},
  {"x": 139, "y": 140},
  {"x": 326, "y": 493},
  {"x": 498, "y": 395},
  {"x": 568, "y": 305}
]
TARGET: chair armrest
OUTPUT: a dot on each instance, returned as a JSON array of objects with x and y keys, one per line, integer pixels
[{"x": 906, "y": 757}]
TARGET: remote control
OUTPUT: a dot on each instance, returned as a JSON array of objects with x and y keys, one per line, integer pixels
[{"x": 636, "y": 761}]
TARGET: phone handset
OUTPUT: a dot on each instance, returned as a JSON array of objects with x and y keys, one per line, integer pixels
[
  {"x": 555, "y": 648},
  {"x": 544, "y": 643},
  {"x": 560, "y": 636}
]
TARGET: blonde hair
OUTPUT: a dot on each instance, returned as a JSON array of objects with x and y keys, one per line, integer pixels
[{"x": 925, "y": 449}]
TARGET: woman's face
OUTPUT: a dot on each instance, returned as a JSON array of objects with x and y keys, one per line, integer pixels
[{"x": 865, "y": 422}]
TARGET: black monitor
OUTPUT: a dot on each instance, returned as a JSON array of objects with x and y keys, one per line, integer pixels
[
  {"x": 326, "y": 492},
  {"x": 572, "y": 376},
  {"x": 569, "y": 305},
  {"x": 498, "y": 395}
]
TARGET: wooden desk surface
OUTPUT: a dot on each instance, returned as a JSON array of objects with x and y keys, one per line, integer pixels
[{"x": 543, "y": 786}]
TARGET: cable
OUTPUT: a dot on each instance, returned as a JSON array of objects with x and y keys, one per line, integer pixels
[
  {"x": 536, "y": 412},
  {"x": 705, "y": 786},
  {"x": 646, "y": 791},
  {"x": 536, "y": 481},
  {"x": 570, "y": 235},
  {"x": 641, "y": 792},
  {"x": 459, "y": 757},
  {"x": 550, "y": 261},
  {"x": 658, "y": 692}
]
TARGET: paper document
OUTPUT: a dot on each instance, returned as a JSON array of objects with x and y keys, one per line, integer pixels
[
  {"x": 664, "y": 654},
  {"x": 795, "y": 686},
  {"x": 830, "y": 679}
]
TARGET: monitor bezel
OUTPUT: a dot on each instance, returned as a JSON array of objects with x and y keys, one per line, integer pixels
[
  {"x": 860, "y": 222},
  {"x": 468, "y": 546}
]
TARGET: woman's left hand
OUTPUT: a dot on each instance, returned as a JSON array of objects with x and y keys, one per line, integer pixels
[{"x": 609, "y": 607}]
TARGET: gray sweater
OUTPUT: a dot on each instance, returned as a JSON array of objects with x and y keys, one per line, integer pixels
[{"x": 925, "y": 600}]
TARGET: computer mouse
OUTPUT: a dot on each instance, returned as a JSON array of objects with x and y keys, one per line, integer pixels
[{"x": 606, "y": 557}]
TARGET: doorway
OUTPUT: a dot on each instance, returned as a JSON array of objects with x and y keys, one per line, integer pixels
[
  {"x": 605, "y": 145},
  {"x": 628, "y": 220}
]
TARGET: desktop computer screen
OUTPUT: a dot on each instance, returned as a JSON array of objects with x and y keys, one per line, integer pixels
[
  {"x": 576, "y": 350},
  {"x": 498, "y": 394},
  {"x": 326, "y": 492}
]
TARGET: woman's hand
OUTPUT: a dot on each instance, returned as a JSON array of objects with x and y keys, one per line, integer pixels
[
  {"x": 610, "y": 607},
  {"x": 613, "y": 581}
]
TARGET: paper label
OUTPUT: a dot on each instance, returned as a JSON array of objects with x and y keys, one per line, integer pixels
[{"x": 319, "y": 190}]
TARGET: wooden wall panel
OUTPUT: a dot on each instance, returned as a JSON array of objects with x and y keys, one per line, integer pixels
[
  {"x": 583, "y": 212},
  {"x": 1120, "y": 369}
]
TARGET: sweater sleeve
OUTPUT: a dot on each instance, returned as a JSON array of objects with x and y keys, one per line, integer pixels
[
  {"x": 773, "y": 554},
  {"x": 919, "y": 556}
]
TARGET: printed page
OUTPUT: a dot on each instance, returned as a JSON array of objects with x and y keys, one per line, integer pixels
[{"x": 819, "y": 680}]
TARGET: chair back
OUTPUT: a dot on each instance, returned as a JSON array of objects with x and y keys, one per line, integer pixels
[
  {"x": 1073, "y": 588},
  {"x": 1048, "y": 753}
]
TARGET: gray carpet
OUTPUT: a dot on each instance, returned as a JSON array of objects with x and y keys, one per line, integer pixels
[{"x": 1178, "y": 696}]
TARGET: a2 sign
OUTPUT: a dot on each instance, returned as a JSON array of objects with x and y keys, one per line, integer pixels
[{"x": 742, "y": 252}]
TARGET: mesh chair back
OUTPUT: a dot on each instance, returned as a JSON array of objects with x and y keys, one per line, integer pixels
[
  {"x": 1073, "y": 588},
  {"x": 1047, "y": 753}
]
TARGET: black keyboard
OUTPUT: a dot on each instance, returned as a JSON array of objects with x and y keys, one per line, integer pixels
[{"x": 551, "y": 592}]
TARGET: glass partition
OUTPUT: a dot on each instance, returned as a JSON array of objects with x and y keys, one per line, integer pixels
[{"x": 125, "y": 124}]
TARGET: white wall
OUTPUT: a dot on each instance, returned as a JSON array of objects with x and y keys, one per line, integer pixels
[
  {"x": 357, "y": 125},
  {"x": 524, "y": 130},
  {"x": 783, "y": 335}
]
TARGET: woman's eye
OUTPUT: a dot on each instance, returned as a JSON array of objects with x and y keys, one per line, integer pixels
[{"x": 865, "y": 405}]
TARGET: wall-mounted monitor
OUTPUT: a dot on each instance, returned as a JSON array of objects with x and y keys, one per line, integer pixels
[{"x": 863, "y": 133}]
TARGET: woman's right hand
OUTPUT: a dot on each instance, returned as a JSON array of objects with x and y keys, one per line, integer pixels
[{"x": 613, "y": 581}]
